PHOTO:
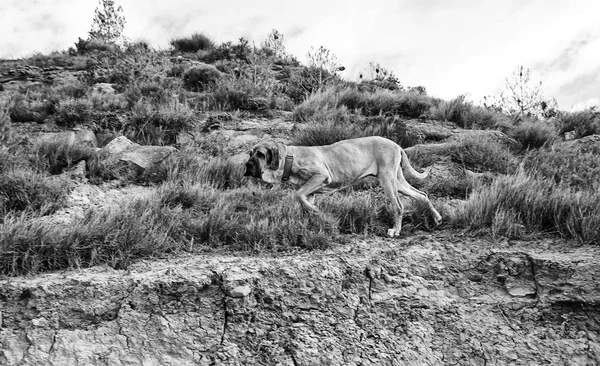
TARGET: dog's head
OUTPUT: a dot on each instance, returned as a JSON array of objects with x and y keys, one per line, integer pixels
[{"x": 263, "y": 156}]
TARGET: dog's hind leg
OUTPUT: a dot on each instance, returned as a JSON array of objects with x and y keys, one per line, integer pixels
[
  {"x": 408, "y": 190},
  {"x": 390, "y": 189}
]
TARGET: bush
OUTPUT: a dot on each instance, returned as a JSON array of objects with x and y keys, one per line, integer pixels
[
  {"x": 381, "y": 102},
  {"x": 455, "y": 110},
  {"x": 54, "y": 157},
  {"x": 241, "y": 94},
  {"x": 158, "y": 125},
  {"x": 84, "y": 46},
  {"x": 24, "y": 190},
  {"x": 23, "y": 110},
  {"x": 192, "y": 44},
  {"x": 324, "y": 134},
  {"x": 533, "y": 133},
  {"x": 582, "y": 123},
  {"x": 511, "y": 202},
  {"x": 72, "y": 112},
  {"x": 574, "y": 165},
  {"x": 201, "y": 77},
  {"x": 482, "y": 156}
]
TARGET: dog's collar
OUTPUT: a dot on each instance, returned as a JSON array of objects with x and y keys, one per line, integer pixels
[{"x": 287, "y": 167}]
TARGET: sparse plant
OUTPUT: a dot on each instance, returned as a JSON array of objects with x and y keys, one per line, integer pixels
[
  {"x": 274, "y": 44},
  {"x": 522, "y": 97},
  {"x": 151, "y": 124},
  {"x": 325, "y": 61},
  {"x": 108, "y": 24}
]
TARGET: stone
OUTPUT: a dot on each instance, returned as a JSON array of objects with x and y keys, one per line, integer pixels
[
  {"x": 240, "y": 291},
  {"x": 118, "y": 145},
  {"x": 74, "y": 137}
]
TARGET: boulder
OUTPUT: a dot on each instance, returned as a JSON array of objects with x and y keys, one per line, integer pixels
[
  {"x": 119, "y": 145},
  {"x": 132, "y": 158},
  {"x": 74, "y": 137},
  {"x": 145, "y": 157}
]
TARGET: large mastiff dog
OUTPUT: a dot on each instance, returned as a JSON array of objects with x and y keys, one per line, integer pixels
[{"x": 311, "y": 169}]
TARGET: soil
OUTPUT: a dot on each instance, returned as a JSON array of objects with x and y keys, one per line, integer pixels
[
  {"x": 441, "y": 298},
  {"x": 426, "y": 299}
]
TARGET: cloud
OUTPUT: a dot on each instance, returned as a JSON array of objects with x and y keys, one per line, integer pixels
[
  {"x": 449, "y": 47},
  {"x": 580, "y": 106}
]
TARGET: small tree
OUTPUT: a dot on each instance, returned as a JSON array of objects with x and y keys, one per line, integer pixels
[
  {"x": 274, "y": 43},
  {"x": 522, "y": 97},
  {"x": 108, "y": 24},
  {"x": 325, "y": 61}
]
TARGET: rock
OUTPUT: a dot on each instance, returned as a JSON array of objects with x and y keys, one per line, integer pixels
[
  {"x": 76, "y": 172},
  {"x": 569, "y": 135},
  {"x": 415, "y": 305},
  {"x": 145, "y": 157},
  {"x": 590, "y": 139},
  {"x": 103, "y": 88},
  {"x": 461, "y": 135},
  {"x": 125, "y": 154},
  {"x": 429, "y": 131},
  {"x": 75, "y": 137},
  {"x": 240, "y": 291},
  {"x": 119, "y": 145}
]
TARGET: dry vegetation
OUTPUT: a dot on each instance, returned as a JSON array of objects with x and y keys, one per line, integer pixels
[{"x": 203, "y": 202}]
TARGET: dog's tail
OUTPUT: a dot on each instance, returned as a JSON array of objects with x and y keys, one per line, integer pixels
[{"x": 405, "y": 165}]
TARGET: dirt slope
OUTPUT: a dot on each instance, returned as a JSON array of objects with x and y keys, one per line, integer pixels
[{"x": 421, "y": 300}]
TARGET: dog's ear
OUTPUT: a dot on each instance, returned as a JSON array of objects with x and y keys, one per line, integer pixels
[{"x": 273, "y": 157}]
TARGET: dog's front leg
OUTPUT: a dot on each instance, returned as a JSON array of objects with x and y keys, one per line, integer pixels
[{"x": 305, "y": 194}]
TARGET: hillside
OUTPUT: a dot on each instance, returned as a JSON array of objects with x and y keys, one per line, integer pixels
[{"x": 128, "y": 234}]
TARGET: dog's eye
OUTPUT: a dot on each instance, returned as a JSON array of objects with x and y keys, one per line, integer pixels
[{"x": 260, "y": 155}]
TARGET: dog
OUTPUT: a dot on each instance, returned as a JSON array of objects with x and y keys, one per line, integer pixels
[{"x": 313, "y": 169}]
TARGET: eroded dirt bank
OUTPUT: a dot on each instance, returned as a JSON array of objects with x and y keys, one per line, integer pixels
[{"x": 420, "y": 300}]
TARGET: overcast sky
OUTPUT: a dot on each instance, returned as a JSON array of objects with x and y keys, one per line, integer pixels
[{"x": 449, "y": 46}]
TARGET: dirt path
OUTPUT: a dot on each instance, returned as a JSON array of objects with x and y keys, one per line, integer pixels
[{"x": 420, "y": 300}]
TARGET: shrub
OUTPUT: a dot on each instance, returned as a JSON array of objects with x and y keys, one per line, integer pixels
[
  {"x": 483, "y": 118},
  {"x": 158, "y": 125},
  {"x": 536, "y": 204},
  {"x": 231, "y": 95},
  {"x": 23, "y": 110},
  {"x": 72, "y": 112},
  {"x": 381, "y": 102},
  {"x": 455, "y": 110},
  {"x": 54, "y": 157},
  {"x": 84, "y": 46},
  {"x": 582, "y": 123},
  {"x": 574, "y": 165},
  {"x": 192, "y": 44},
  {"x": 325, "y": 134},
  {"x": 201, "y": 77},
  {"x": 482, "y": 156},
  {"x": 533, "y": 133},
  {"x": 392, "y": 128},
  {"x": 190, "y": 168},
  {"x": 24, "y": 190}
]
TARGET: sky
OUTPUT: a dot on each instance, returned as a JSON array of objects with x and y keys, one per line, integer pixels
[{"x": 451, "y": 47}]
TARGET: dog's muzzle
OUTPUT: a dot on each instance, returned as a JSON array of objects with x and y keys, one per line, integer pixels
[{"x": 252, "y": 169}]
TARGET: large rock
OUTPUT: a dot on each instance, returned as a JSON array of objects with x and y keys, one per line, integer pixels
[
  {"x": 74, "y": 137},
  {"x": 124, "y": 153}
]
